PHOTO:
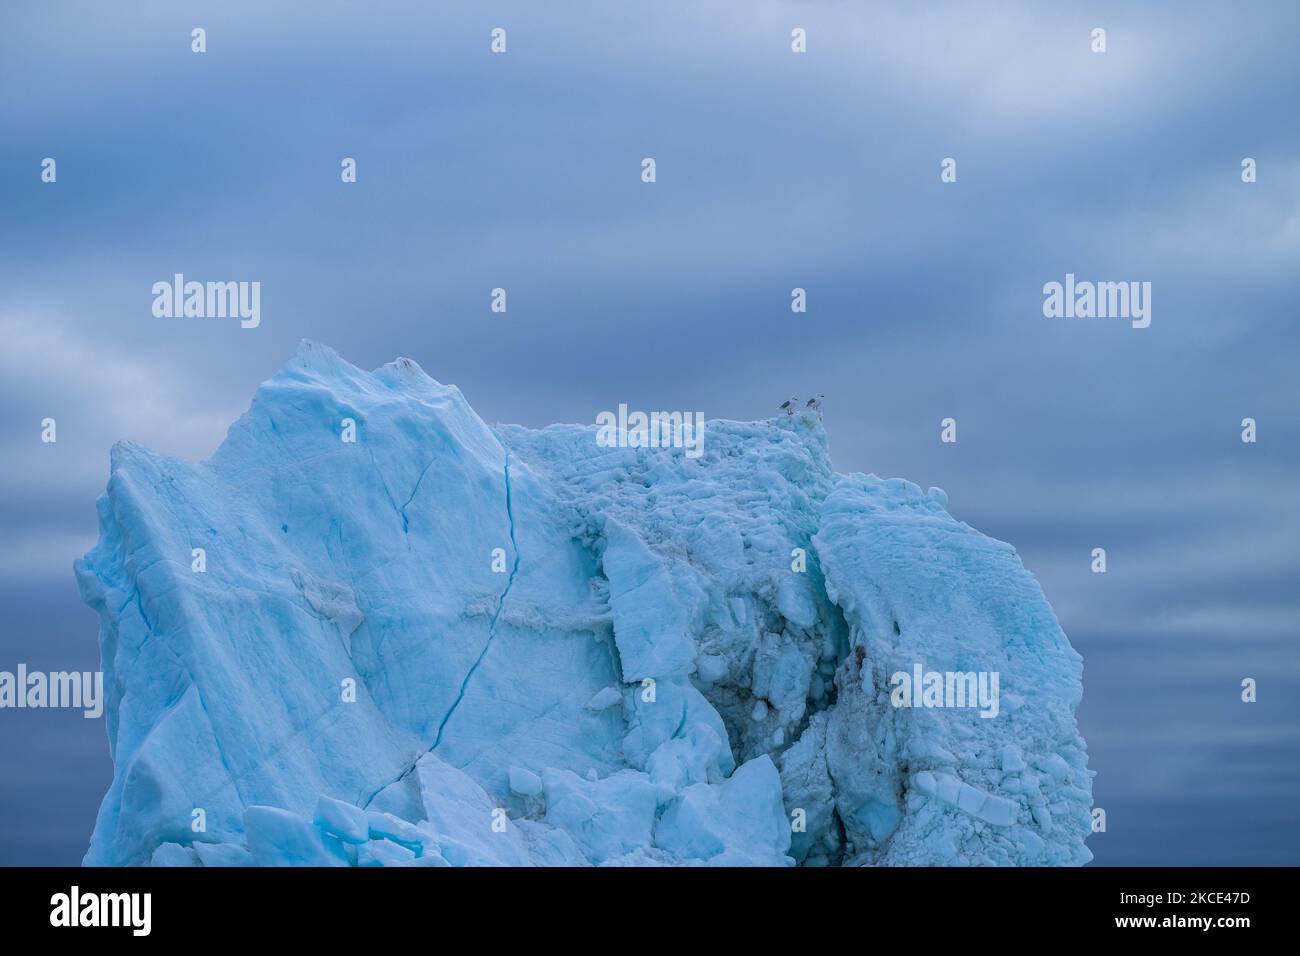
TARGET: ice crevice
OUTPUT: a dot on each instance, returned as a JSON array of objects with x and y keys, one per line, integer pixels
[
  {"x": 406, "y": 522},
  {"x": 496, "y": 615},
  {"x": 487, "y": 644},
  {"x": 387, "y": 491}
]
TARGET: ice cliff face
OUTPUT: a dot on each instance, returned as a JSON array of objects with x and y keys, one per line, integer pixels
[{"x": 451, "y": 644}]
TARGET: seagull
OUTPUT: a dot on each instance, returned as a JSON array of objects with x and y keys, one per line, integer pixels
[
  {"x": 789, "y": 405},
  {"x": 815, "y": 403}
]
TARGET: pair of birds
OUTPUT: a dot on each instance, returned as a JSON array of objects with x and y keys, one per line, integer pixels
[{"x": 814, "y": 404}]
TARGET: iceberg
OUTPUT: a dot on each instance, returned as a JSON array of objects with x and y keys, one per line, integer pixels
[{"x": 373, "y": 630}]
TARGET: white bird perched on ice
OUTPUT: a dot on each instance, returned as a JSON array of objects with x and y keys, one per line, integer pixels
[
  {"x": 789, "y": 405},
  {"x": 815, "y": 403}
]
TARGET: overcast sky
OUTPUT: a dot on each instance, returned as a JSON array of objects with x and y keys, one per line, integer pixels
[{"x": 774, "y": 170}]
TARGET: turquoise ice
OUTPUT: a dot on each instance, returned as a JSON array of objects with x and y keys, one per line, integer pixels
[{"x": 446, "y": 643}]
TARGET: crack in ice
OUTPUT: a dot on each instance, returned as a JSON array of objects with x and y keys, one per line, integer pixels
[
  {"x": 406, "y": 523},
  {"x": 492, "y": 630}
]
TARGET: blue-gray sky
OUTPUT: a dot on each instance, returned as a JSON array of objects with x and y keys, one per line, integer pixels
[{"x": 775, "y": 170}]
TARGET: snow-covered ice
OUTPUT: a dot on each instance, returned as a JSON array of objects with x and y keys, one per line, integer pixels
[{"x": 450, "y": 644}]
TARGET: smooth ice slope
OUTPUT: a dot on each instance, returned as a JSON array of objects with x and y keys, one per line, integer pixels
[{"x": 448, "y": 644}]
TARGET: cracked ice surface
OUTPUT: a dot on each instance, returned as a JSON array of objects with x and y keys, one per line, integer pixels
[{"x": 646, "y": 681}]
